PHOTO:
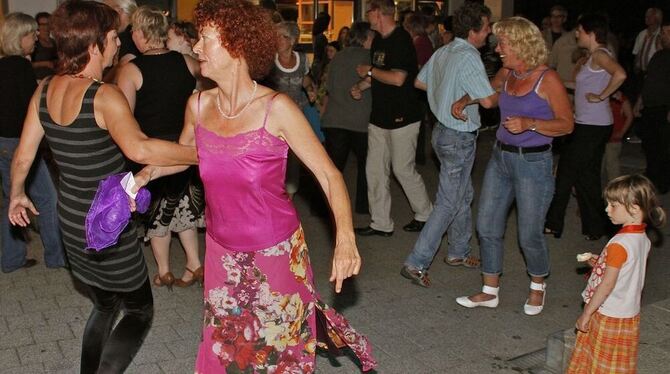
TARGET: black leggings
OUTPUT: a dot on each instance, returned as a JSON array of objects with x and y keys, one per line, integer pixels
[{"x": 110, "y": 351}]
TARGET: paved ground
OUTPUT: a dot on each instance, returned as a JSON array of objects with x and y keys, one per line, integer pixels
[{"x": 413, "y": 330}]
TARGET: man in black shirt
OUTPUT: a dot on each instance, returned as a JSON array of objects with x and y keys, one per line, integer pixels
[
  {"x": 654, "y": 105},
  {"x": 394, "y": 122}
]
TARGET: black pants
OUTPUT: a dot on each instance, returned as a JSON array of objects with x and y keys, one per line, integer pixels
[
  {"x": 579, "y": 167},
  {"x": 338, "y": 144},
  {"x": 655, "y": 136},
  {"x": 106, "y": 350}
]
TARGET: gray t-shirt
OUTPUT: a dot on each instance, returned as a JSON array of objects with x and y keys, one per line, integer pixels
[{"x": 342, "y": 111}]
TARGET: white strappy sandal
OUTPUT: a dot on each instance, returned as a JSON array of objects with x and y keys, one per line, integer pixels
[
  {"x": 466, "y": 302},
  {"x": 533, "y": 310}
]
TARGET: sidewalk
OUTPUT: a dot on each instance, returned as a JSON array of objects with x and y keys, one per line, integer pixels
[{"x": 413, "y": 329}]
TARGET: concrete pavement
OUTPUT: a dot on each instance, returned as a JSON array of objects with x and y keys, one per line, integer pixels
[{"x": 413, "y": 329}]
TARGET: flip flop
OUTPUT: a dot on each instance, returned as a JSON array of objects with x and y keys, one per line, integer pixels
[{"x": 468, "y": 262}]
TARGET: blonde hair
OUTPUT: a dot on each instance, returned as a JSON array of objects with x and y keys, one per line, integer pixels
[
  {"x": 127, "y": 6},
  {"x": 629, "y": 190},
  {"x": 525, "y": 39},
  {"x": 152, "y": 22},
  {"x": 291, "y": 29},
  {"x": 14, "y": 28}
]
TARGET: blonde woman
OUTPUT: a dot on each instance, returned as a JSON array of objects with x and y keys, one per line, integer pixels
[
  {"x": 17, "y": 83},
  {"x": 157, "y": 84}
]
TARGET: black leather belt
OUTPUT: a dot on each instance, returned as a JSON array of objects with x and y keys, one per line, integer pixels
[{"x": 515, "y": 149}]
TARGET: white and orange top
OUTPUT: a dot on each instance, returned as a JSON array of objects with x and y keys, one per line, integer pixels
[{"x": 628, "y": 251}]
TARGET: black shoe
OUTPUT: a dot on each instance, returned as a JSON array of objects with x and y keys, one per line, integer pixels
[
  {"x": 369, "y": 231},
  {"x": 29, "y": 263},
  {"x": 417, "y": 277},
  {"x": 414, "y": 226}
]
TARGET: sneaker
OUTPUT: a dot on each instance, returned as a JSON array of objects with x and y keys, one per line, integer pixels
[{"x": 417, "y": 277}]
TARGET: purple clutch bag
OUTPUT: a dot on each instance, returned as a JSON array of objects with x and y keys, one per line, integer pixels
[{"x": 110, "y": 213}]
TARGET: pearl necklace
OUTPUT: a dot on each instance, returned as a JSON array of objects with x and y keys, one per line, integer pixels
[
  {"x": 87, "y": 77},
  {"x": 218, "y": 104},
  {"x": 522, "y": 76}
]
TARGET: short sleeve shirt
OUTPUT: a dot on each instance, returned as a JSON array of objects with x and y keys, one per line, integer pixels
[
  {"x": 394, "y": 107},
  {"x": 453, "y": 71}
]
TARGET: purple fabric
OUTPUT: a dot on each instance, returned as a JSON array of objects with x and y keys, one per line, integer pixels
[
  {"x": 110, "y": 212},
  {"x": 530, "y": 105}
]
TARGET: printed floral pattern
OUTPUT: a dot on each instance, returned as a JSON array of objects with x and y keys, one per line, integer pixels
[
  {"x": 253, "y": 328},
  {"x": 596, "y": 277}
]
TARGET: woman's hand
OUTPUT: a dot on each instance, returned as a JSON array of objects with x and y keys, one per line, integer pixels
[
  {"x": 582, "y": 323},
  {"x": 346, "y": 263},
  {"x": 593, "y": 98},
  {"x": 18, "y": 214},
  {"x": 143, "y": 177},
  {"x": 516, "y": 125}
]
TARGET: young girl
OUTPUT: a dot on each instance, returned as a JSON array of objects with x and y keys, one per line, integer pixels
[{"x": 609, "y": 331}]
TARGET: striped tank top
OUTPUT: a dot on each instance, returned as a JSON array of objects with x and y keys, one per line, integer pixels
[{"x": 86, "y": 154}]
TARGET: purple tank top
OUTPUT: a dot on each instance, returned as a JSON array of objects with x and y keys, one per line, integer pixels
[
  {"x": 247, "y": 207},
  {"x": 530, "y": 105},
  {"x": 592, "y": 81}
]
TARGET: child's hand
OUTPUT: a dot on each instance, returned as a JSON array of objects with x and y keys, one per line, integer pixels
[
  {"x": 593, "y": 260},
  {"x": 583, "y": 322}
]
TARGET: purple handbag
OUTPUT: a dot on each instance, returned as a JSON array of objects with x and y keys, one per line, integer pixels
[{"x": 110, "y": 213}]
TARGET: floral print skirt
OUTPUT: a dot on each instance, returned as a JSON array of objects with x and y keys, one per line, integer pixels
[{"x": 263, "y": 315}]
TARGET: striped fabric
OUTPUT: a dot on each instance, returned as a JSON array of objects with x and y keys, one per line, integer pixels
[
  {"x": 610, "y": 346},
  {"x": 86, "y": 154}
]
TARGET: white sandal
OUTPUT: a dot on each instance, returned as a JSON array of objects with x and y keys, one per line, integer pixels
[
  {"x": 466, "y": 302},
  {"x": 533, "y": 310}
]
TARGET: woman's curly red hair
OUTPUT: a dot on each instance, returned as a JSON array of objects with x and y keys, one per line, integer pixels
[{"x": 246, "y": 31}]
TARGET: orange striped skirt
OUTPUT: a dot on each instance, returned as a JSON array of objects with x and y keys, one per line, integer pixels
[{"x": 610, "y": 346}]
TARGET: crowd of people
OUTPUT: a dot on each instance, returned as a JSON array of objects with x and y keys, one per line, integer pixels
[{"x": 219, "y": 126}]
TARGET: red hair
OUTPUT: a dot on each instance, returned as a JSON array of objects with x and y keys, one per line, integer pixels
[
  {"x": 76, "y": 25},
  {"x": 246, "y": 30}
]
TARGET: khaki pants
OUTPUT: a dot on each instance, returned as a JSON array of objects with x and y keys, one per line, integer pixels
[{"x": 394, "y": 149}]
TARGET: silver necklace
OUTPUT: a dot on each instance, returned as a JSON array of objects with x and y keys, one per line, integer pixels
[
  {"x": 218, "y": 104},
  {"x": 82, "y": 76},
  {"x": 522, "y": 76}
]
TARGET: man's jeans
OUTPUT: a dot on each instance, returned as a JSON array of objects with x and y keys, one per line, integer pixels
[
  {"x": 41, "y": 191},
  {"x": 451, "y": 211},
  {"x": 527, "y": 179}
]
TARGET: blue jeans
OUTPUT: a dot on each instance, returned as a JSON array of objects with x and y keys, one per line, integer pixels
[
  {"x": 526, "y": 178},
  {"x": 451, "y": 212},
  {"x": 41, "y": 190}
]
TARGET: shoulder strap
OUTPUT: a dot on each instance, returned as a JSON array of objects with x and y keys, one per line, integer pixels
[
  {"x": 197, "y": 112},
  {"x": 506, "y": 79},
  {"x": 267, "y": 108},
  {"x": 539, "y": 80},
  {"x": 43, "y": 95}
]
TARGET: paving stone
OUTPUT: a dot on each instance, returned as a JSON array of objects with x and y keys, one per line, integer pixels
[
  {"x": 184, "y": 348},
  {"x": 9, "y": 358},
  {"x": 54, "y": 290},
  {"x": 166, "y": 317},
  {"x": 152, "y": 353},
  {"x": 10, "y": 308},
  {"x": 39, "y": 304},
  {"x": 66, "y": 301},
  {"x": 77, "y": 328},
  {"x": 41, "y": 352},
  {"x": 25, "y": 369},
  {"x": 151, "y": 368},
  {"x": 20, "y": 293},
  {"x": 16, "y": 338},
  {"x": 63, "y": 316},
  {"x": 26, "y": 320},
  {"x": 44, "y": 334},
  {"x": 178, "y": 366},
  {"x": 63, "y": 366},
  {"x": 161, "y": 334},
  {"x": 70, "y": 348}
]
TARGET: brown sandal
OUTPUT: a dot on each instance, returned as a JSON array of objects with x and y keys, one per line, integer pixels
[
  {"x": 166, "y": 280},
  {"x": 468, "y": 262}
]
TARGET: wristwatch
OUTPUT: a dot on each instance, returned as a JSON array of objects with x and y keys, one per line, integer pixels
[
  {"x": 533, "y": 127},
  {"x": 369, "y": 74}
]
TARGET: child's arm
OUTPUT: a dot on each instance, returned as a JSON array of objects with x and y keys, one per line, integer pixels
[{"x": 598, "y": 298}]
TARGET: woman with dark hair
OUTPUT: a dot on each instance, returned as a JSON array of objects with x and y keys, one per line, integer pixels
[
  {"x": 157, "y": 84},
  {"x": 181, "y": 36},
  {"x": 88, "y": 125},
  {"x": 581, "y": 156},
  {"x": 17, "y": 83},
  {"x": 261, "y": 306},
  {"x": 319, "y": 39}
]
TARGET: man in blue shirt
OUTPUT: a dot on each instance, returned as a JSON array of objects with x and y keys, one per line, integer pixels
[{"x": 452, "y": 72}]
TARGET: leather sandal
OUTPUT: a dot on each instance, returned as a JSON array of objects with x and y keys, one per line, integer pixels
[
  {"x": 471, "y": 262},
  {"x": 533, "y": 310},
  {"x": 198, "y": 277},
  {"x": 492, "y": 303},
  {"x": 166, "y": 280}
]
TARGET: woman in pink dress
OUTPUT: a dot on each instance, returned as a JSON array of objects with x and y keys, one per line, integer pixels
[{"x": 262, "y": 311}]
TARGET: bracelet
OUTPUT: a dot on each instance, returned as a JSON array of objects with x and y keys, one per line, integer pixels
[
  {"x": 533, "y": 126},
  {"x": 369, "y": 73}
]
